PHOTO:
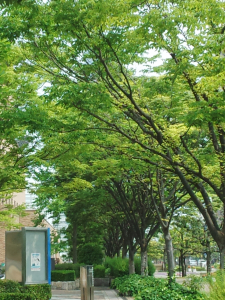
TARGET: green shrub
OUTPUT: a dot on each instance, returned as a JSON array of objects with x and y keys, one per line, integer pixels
[
  {"x": 63, "y": 275},
  {"x": 76, "y": 268},
  {"x": 90, "y": 254},
  {"x": 217, "y": 266},
  {"x": 13, "y": 290},
  {"x": 107, "y": 272},
  {"x": 193, "y": 282},
  {"x": 169, "y": 292},
  {"x": 38, "y": 291},
  {"x": 10, "y": 286},
  {"x": 217, "y": 286},
  {"x": 2, "y": 270},
  {"x": 118, "y": 266},
  {"x": 151, "y": 267},
  {"x": 99, "y": 271},
  {"x": 150, "y": 288},
  {"x": 70, "y": 266},
  {"x": 200, "y": 268},
  {"x": 131, "y": 285},
  {"x": 17, "y": 296},
  {"x": 65, "y": 266}
]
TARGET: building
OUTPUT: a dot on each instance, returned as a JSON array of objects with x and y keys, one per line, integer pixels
[{"x": 26, "y": 221}]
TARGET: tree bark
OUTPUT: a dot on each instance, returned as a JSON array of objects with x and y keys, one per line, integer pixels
[
  {"x": 169, "y": 253},
  {"x": 131, "y": 262},
  {"x": 144, "y": 263},
  {"x": 222, "y": 254},
  {"x": 164, "y": 260},
  {"x": 124, "y": 249},
  {"x": 132, "y": 251},
  {"x": 208, "y": 257},
  {"x": 182, "y": 262}
]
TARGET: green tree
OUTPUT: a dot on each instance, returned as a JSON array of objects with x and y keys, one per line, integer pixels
[
  {"x": 175, "y": 121},
  {"x": 16, "y": 146}
]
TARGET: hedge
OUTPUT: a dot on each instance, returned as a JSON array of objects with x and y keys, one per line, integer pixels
[
  {"x": 63, "y": 275},
  {"x": 17, "y": 296},
  {"x": 10, "y": 286},
  {"x": 39, "y": 291},
  {"x": 12, "y": 290},
  {"x": 70, "y": 266}
]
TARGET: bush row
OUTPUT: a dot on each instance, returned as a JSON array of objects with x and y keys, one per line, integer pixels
[
  {"x": 115, "y": 267},
  {"x": 70, "y": 266},
  {"x": 99, "y": 271},
  {"x": 150, "y": 288},
  {"x": 63, "y": 275},
  {"x": 119, "y": 267},
  {"x": 10, "y": 290},
  {"x": 16, "y": 296}
]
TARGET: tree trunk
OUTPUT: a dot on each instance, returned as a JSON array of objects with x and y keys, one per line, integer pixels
[
  {"x": 222, "y": 253},
  {"x": 124, "y": 249},
  {"x": 74, "y": 243},
  {"x": 132, "y": 251},
  {"x": 164, "y": 260},
  {"x": 144, "y": 263},
  {"x": 131, "y": 261},
  {"x": 182, "y": 261},
  {"x": 208, "y": 257},
  {"x": 169, "y": 253},
  {"x": 180, "y": 265}
]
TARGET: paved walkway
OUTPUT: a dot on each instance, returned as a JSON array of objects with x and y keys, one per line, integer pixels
[{"x": 99, "y": 294}]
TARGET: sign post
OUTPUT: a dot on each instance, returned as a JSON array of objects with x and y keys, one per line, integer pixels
[
  {"x": 87, "y": 282},
  {"x": 28, "y": 255}
]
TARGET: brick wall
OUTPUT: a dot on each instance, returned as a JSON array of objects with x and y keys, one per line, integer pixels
[{"x": 27, "y": 221}]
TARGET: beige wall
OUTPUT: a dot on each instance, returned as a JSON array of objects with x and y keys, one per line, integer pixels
[{"x": 19, "y": 198}]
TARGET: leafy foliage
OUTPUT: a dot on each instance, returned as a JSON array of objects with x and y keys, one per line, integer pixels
[
  {"x": 151, "y": 267},
  {"x": 217, "y": 286},
  {"x": 118, "y": 266},
  {"x": 13, "y": 290},
  {"x": 99, "y": 271},
  {"x": 173, "y": 121},
  {"x": 39, "y": 291},
  {"x": 17, "y": 296},
  {"x": 193, "y": 282},
  {"x": 133, "y": 284},
  {"x": 10, "y": 286},
  {"x": 17, "y": 95},
  {"x": 171, "y": 292},
  {"x": 151, "y": 288}
]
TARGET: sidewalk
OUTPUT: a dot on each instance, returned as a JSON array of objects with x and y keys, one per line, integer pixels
[{"x": 99, "y": 294}]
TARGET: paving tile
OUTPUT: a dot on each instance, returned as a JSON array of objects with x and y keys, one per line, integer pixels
[{"x": 99, "y": 294}]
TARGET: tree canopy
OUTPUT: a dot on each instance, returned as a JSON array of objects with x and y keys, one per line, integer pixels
[{"x": 170, "y": 116}]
